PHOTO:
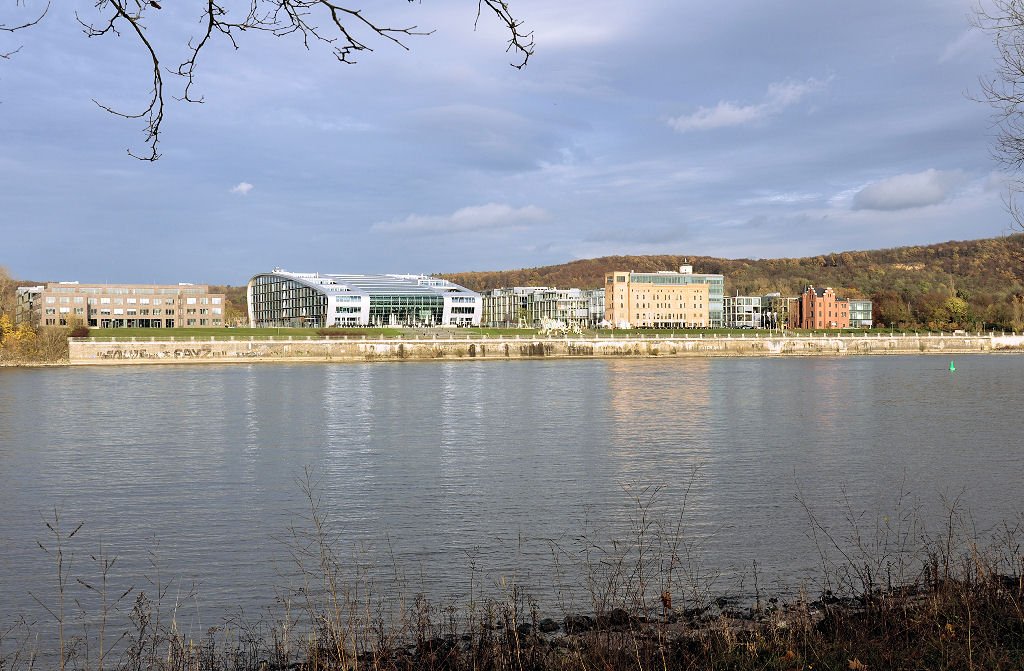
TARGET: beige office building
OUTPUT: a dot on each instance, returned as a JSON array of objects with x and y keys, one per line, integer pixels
[
  {"x": 665, "y": 299},
  {"x": 122, "y": 305}
]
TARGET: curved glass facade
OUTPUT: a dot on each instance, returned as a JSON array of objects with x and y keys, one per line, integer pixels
[
  {"x": 406, "y": 310},
  {"x": 312, "y": 300},
  {"x": 279, "y": 301}
]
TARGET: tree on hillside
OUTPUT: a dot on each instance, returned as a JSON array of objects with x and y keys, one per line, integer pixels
[{"x": 342, "y": 28}]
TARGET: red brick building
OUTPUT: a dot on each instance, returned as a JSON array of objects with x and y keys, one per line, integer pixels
[{"x": 820, "y": 309}]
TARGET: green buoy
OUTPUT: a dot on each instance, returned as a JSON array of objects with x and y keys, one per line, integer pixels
[{"x": 951, "y": 366}]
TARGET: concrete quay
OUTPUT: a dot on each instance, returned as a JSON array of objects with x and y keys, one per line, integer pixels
[{"x": 450, "y": 347}]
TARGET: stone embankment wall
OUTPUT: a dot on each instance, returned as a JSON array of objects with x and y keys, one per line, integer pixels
[{"x": 142, "y": 351}]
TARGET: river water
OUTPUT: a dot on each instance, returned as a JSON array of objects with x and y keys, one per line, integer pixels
[{"x": 461, "y": 476}]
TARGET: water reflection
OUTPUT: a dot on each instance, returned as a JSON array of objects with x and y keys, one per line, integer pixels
[{"x": 432, "y": 466}]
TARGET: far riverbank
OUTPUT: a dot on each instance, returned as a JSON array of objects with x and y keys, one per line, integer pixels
[{"x": 315, "y": 348}]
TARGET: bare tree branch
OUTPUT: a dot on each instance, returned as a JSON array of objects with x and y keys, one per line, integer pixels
[
  {"x": 519, "y": 42},
  {"x": 1004, "y": 92},
  {"x": 10, "y": 29},
  {"x": 153, "y": 113},
  {"x": 339, "y": 27},
  {"x": 6, "y": 55}
]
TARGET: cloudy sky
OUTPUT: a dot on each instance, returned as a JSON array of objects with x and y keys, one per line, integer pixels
[{"x": 735, "y": 129}]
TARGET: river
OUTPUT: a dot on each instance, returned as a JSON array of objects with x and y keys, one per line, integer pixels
[{"x": 462, "y": 476}]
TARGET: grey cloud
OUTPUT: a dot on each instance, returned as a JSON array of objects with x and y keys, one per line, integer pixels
[
  {"x": 486, "y": 137},
  {"x": 489, "y": 217},
  {"x": 909, "y": 190},
  {"x": 652, "y": 235}
]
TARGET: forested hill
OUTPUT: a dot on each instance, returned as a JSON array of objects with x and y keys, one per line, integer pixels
[{"x": 908, "y": 284}]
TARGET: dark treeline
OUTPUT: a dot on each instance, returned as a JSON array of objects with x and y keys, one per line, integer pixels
[{"x": 961, "y": 284}]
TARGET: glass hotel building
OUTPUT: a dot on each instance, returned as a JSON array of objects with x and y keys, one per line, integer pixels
[{"x": 315, "y": 300}]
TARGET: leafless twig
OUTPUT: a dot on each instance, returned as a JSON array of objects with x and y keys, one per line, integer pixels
[
  {"x": 340, "y": 27},
  {"x": 519, "y": 42},
  {"x": 153, "y": 113},
  {"x": 6, "y": 55},
  {"x": 1004, "y": 90}
]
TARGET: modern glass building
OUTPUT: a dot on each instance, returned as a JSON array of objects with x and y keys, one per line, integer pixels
[
  {"x": 508, "y": 307},
  {"x": 742, "y": 312},
  {"x": 513, "y": 307},
  {"x": 315, "y": 300},
  {"x": 860, "y": 313},
  {"x": 776, "y": 310}
]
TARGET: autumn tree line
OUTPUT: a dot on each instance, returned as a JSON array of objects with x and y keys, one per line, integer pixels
[
  {"x": 976, "y": 284},
  {"x": 20, "y": 343}
]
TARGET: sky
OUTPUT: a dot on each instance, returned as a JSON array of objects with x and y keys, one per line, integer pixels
[{"x": 740, "y": 129}]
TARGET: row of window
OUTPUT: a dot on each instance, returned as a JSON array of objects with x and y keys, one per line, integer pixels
[
  {"x": 134, "y": 291},
  {"x": 668, "y": 306},
  {"x": 105, "y": 300}
]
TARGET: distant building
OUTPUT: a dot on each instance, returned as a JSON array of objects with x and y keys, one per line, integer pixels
[
  {"x": 315, "y": 300},
  {"x": 822, "y": 309},
  {"x": 742, "y": 312},
  {"x": 568, "y": 306},
  {"x": 664, "y": 299},
  {"x": 515, "y": 307},
  {"x": 27, "y": 308},
  {"x": 595, "y": 299},
  {"x": 507, "y": 307},
  {"x": 860, "y": 313},
  {"x": 121, "y": 305},
  {"x": 776, "y": 310}
]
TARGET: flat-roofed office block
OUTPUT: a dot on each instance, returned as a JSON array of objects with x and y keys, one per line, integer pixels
[
  {"x": 121, "y": 305},
  {"x": 664, "y": 299}
]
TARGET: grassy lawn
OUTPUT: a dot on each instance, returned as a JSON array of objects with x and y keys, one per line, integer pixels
[
  {"x": 229, "y": 333},
  {"x": 356, "y": 333}
]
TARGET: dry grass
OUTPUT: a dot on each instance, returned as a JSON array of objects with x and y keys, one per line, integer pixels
[{"x": 893, "y": 597}]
